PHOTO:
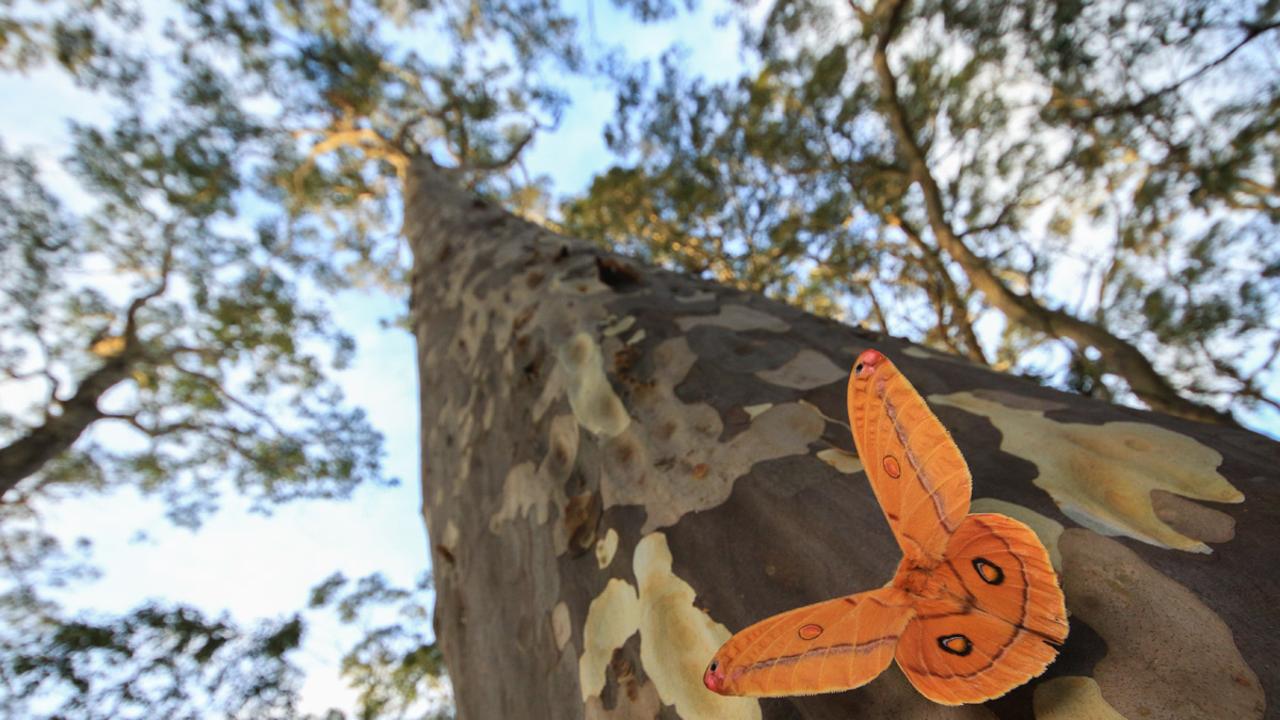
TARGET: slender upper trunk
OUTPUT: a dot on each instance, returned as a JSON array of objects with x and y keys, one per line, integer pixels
[{"x": 621, "y": 465}]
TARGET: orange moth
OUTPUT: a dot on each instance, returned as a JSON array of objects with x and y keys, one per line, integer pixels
[{"x": 974, "y": 609}]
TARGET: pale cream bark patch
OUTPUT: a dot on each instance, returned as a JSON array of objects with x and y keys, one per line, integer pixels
[
  {"x": 606, "y": 547},
  {"x": 672, "y": 461},
  {"x": 561, "y": 628},
  {"x": 842, "y": 461},
  {"x": 612, "y": 617},
  {"x": 537, "y": 493},
  {"x": 677, "y": 640},
  {"x": 619, "y": 326},
  {"x": 592, "y": 398},
  {"x": 1102, "y": 476},
  {"x": 1072, "y": 698}
]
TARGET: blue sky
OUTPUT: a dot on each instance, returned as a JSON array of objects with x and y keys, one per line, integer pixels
[{"x": 253, "y": 566}]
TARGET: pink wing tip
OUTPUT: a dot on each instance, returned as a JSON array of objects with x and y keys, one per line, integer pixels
[
  {"x": 867, "y": 362},
  {"x": 713, "y": 678}
]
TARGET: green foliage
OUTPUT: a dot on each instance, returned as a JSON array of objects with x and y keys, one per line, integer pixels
[
  {"x": 396, "y": 667},
  {"x": 217, "y": 363},
  {"x": 86, "y": 38},
  {"x": 1115, "y": 160},
  {"x": 351, "y": 101},
  {"x": 152, "y": 662},
  {"x": 705, "y": 197}
]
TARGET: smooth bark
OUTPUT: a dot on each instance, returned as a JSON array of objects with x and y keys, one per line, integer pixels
[{"x": 622, "y": 465}]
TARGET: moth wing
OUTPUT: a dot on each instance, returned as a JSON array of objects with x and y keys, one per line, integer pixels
[
  {"x": 916, "y": 470},
  {"x": 1009, "y": 635},
  {"x": 829, "y": 646}
]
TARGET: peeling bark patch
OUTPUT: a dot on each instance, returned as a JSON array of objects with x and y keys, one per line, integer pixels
[
  {"x": 677, "y": 639},
  {"x": 551, "y": 392},
  {"x": 1072, "y": 698},
  {"x": 579, "y": 286},
  {"x": 606, "y": 547},
  {"x": 531, "y": 492},
  {"x": 612, "y": 617},
  {"x": 735, "y": 317},
  {"x": 594, "y": 403},
  {"x": 825, "y": 416},
  {"x": 620, "y": 326},
  {"x": 807, "y": 370},
  {"x": 448, "y": 543},
  {"x": 1168, "y": 654},
  {"x": 657, "y": 469},
  {"x": 1102, "y": 476},
  {"x": 1046, "y": 529},
  {"x": 561, "y": 629},
  {"x": 671, "y": 460},
  {"x": 844, "y": 462},
  {"x": 522, "y": 491}
]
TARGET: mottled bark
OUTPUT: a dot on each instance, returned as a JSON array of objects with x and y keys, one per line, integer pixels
[{"x": 623, "y": 465}]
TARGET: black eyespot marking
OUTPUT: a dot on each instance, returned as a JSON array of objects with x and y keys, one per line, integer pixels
[
  {"x": 990, "y": 572},
  {"x": 714, "y": 665},
  {"x": 955, "y": 644},
  {"x": 857, "y": 368}
]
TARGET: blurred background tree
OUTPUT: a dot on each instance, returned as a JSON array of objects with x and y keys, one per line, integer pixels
[
  {"x": 172, "y": 335},
  {"x": 1086, "y": 194}
]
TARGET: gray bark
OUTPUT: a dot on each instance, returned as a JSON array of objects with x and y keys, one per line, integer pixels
[{"x": 621, "y": 466}]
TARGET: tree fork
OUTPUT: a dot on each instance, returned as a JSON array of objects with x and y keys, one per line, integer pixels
[{"x": 622, "y": 465}]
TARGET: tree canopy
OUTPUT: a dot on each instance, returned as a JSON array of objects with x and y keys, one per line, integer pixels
[
  {"x": 1086, "y": 193},
  {"x": 1093, "y": 183}
]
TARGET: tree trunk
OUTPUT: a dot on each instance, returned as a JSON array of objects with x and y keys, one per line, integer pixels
[{"x": 622, "y": 465}]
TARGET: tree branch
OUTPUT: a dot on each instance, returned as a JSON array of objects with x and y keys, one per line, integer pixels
[
  {"x": 950, "y": 294},
  {"x": 877, "y": 309},
  {"x": 1252, "y": 32},
  {"x": 26, "y": 455},
  {"x": 57, "y": 433},
  {"x": 1121, "y": 357},
  {"x": 502, "y": 163}
]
